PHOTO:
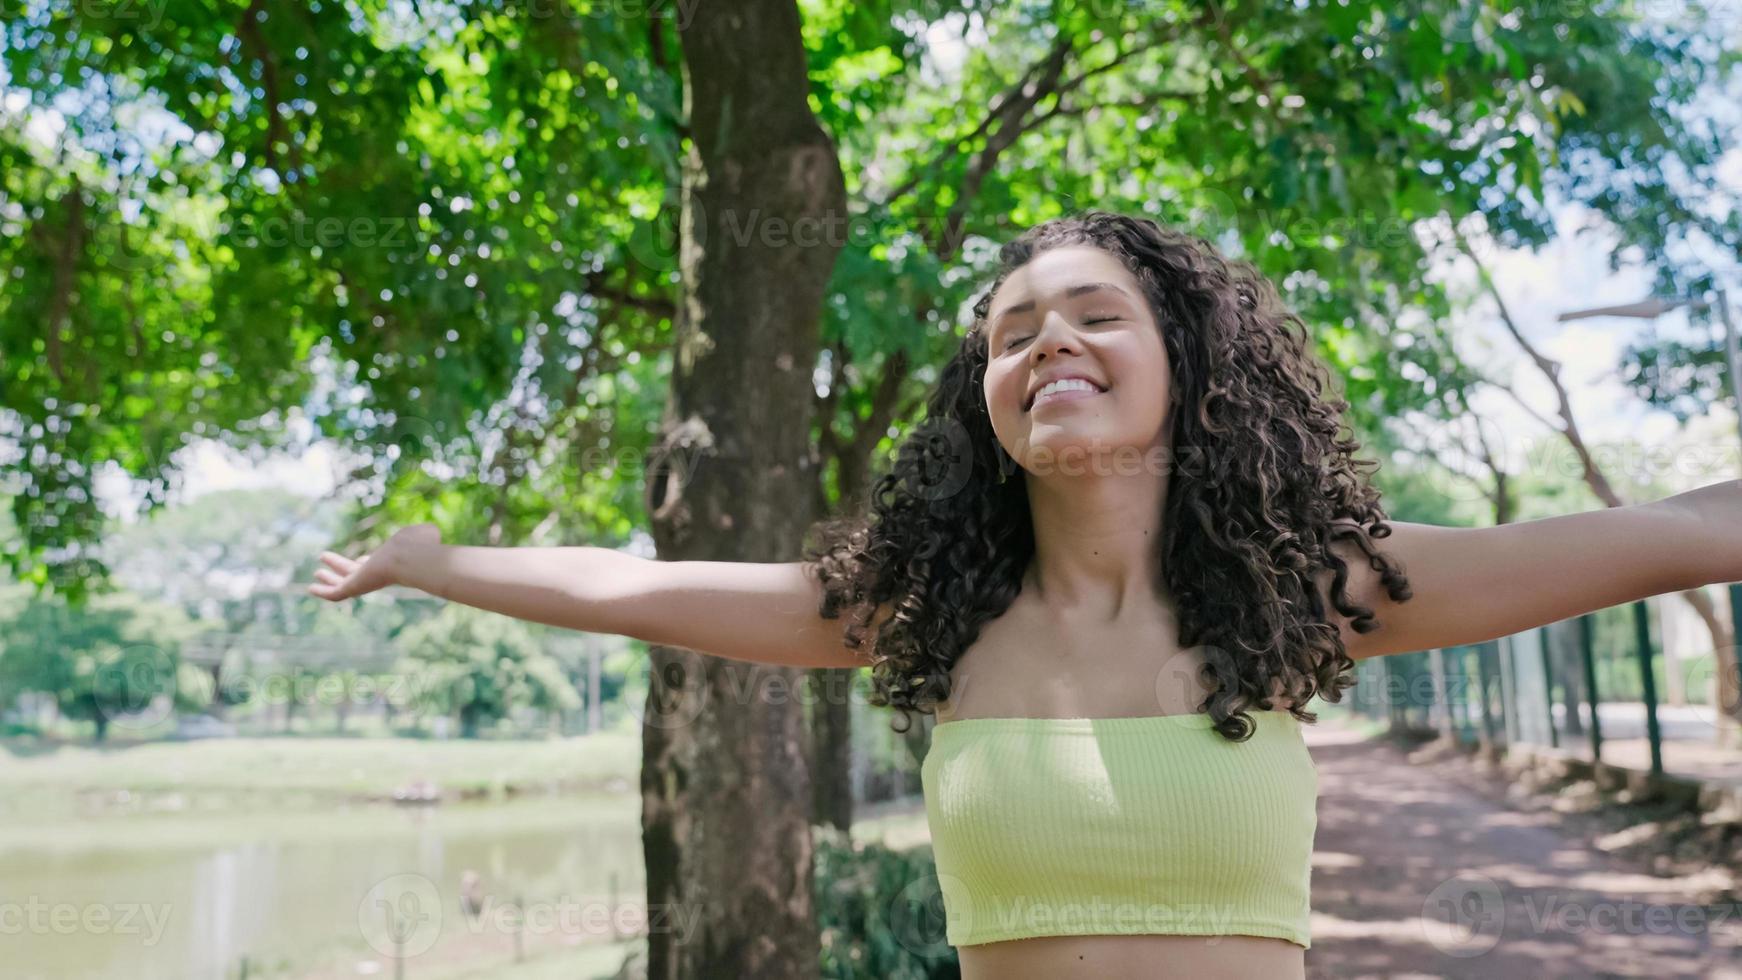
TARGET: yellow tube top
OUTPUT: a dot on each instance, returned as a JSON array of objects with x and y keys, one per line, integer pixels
[{"x": 1140, "y": 825}]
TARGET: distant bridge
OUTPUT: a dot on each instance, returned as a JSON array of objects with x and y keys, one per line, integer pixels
[{"x": 315, "y": 653}]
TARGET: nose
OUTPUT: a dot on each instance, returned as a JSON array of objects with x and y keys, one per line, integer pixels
[{"x": 1056, "y": 336}]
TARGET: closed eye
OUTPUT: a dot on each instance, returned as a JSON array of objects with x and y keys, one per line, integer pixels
[{"x": 1087, "y": 322}]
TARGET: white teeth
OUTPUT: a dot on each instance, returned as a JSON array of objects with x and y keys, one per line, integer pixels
[{"x": 1068, "y": 384}]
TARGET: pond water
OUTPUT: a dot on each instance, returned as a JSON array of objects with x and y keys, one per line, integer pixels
[{"x": 322, "y": 892}]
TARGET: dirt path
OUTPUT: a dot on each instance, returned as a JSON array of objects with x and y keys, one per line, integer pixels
[{"x": 1423, "y": 871}]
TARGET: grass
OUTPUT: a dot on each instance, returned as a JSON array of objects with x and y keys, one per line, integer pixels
[
  {"x": 297, "y": 773},
  {"x": 223, "y": 826}
]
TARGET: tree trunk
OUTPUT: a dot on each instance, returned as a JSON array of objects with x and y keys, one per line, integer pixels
[
  {"x": 1012, "y": 114},
  {"x": 831, "y": 737},
  {"x": 725, "y": 786}
]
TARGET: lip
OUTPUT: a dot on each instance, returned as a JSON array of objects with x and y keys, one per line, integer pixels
[
  {"x": 1075, "y": 394},
  {"x": 1063, "y": 396}
]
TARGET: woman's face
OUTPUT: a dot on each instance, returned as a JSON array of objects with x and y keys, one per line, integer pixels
[{"x": 1075, "y": 312}]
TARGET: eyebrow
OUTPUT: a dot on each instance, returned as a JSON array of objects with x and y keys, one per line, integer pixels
[{"x": 1071, "y": 293}]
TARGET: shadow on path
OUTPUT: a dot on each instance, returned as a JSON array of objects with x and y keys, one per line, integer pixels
[{"x": 1419, "y": 870}]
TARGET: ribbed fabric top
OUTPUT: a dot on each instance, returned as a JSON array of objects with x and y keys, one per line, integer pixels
[{"x": 1141, "y": 825}]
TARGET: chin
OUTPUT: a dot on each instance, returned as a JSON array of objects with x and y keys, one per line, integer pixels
[{"x": 1072, "y": 446}]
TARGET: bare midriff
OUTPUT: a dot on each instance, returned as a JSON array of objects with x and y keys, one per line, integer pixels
[{"x": 1120, "y": 957}]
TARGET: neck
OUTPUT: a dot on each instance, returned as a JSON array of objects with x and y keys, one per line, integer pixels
[{"x": 1097, "y": 542}]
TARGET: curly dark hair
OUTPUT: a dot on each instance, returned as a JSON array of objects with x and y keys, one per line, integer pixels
[{"x": 1262, "y": 485}]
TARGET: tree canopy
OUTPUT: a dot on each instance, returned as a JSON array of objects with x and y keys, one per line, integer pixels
[{"x": 444, "y": 234}]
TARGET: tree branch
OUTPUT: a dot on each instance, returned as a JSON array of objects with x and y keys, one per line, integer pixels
[
  {"x": 248, "y": 32},
  {"x": 1013, "y": 102},
  {"x": 1594, "y": 475},
  {"x": 594, "y": 284},
  {"x": 1145, "y": 101},
  {"x": 65, "y": 259}
]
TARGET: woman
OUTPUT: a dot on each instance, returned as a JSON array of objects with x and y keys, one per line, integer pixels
[{"x": 1125, "y": 549}]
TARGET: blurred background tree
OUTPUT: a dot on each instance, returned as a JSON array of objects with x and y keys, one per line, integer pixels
[{"x": 477, "y": 667}]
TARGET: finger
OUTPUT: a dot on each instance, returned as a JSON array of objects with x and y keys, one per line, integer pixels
[
  {"x": 328, "y": 577},
  {"x": 338, "y": 562},
  {"x": 333, "y": 593}
]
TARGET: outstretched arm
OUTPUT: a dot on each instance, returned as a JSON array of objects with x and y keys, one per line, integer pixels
[
  {"x": 757, "y": 612},
  {"x": 1474, "y": 584}
]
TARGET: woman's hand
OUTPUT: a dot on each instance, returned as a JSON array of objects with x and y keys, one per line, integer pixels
[{"x": 345, "y": 578}]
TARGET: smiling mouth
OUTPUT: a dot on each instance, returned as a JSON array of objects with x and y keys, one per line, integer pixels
[{"x": 1067, "y": 394}]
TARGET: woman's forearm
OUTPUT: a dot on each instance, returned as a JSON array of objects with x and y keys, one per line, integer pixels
[
  {"x": 757, "y": 612},
  {"x": 557, "y": 586},
  {"x": 1713, "y": 518}
]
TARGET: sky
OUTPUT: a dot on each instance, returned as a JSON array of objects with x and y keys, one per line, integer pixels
[{"x": 1570, "y": 273}]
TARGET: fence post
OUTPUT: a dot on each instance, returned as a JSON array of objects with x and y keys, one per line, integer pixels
[
  {"x": 1508, "y": 692},
  {"x": 1554, "y": 738},
  {"x": 1588, "y": 654},
  {"x": 1648, "y": 683},
  {"x": 1378, "y": 670},
  {"x": 1390, "y": 701},
  {"x": 1482, "y": 656},
  {"x": 1458, "y": 692},
  {"x": 1442, "y": 710},
  {"x": 1729, "y": 682},
  {"x": 1418, "y": 668},
  {"x": 1362, "y": 692}
]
